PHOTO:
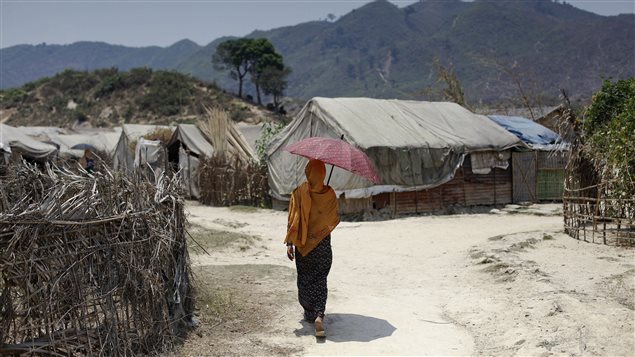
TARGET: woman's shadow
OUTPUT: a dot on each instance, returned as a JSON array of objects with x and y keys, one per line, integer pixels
[{"x": 350, "y": 327}]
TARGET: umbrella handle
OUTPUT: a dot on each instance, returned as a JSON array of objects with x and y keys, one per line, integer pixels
[{"x": 332, "y": 166}]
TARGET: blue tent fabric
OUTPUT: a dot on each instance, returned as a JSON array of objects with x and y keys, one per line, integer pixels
[{"x": 530, "y": 132}]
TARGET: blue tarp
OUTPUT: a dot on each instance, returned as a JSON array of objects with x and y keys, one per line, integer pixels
[{"x": 530, "y": 132}]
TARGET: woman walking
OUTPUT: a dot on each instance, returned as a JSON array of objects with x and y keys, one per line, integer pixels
[{"x": 313, "y": 214}]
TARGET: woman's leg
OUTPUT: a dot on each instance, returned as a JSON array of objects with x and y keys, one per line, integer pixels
[{"x": 313, "y": 271}]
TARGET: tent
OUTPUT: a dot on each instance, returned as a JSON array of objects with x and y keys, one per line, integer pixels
[
  {"x": 414, "y": 145},
  {"x": 69, "y": 144},
  {"x": 189, "y": 145},
  {"x": 124, "y": 154},
  {"x": 41, "y": 131},
  {"x": 14, "y": 141},
  {"x": 185, "y": 149},
  {"x": 251, "y": 132},
  {"x": 150, "y": 157},
  {"x": 536, "y": 136}
]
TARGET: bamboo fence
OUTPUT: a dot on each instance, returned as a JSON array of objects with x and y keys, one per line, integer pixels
[
  {"x": 592, "y": 208},
  {"x": 228, "y": 180},
  {"x": 91, "y": 264},
  {"x": 591, "y": 215}
]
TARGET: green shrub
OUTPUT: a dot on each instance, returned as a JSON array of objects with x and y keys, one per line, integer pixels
[
  {"x": 14, "y": 97},
  {"x": 79, "y": 115},
  {"x": 609, "y": 133},
  {"x": 73, "y": 83},
  {"x": 168, "y": 93},
  {"x": 139, "y": 76},
  {"x": 110, "y": 84},
  {"x": 269, "y": 131}
]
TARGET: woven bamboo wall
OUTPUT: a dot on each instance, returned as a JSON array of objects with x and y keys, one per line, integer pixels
[
  {"x": 231, "y": 181},
  {"x": 91, "y": 264}
]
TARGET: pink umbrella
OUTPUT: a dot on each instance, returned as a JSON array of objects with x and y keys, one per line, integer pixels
[{"x": 337, "y": 153}]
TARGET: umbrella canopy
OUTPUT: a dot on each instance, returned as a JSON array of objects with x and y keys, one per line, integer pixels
[
  {"x": 83, "y": 146},
  {"x": 337, "y": 153}
]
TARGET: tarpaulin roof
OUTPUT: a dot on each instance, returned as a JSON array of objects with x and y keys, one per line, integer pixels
[
  {"x": 14, "y": 139},
  {"x": 530, "y": 132},
  {"x": 251, "y": 132},
  {"x": 41, "y": 130},
  {"x": 123, "y": 158},
  {"x": 190, "y": 136},
  {"x": 106, "y": 142},
  {"x": 402, "y": 123},
  {"x": 411, "y": 143},
  {"x": 135, "y": 131}
]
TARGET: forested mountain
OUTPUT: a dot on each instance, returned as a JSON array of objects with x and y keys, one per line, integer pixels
[{"x": 381, "y": 50}]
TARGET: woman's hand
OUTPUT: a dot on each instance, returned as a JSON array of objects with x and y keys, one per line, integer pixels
[{"x": 290, "y": 252}]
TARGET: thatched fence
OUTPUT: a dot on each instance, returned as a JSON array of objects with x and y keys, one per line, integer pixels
[
  {"x": 229, "y": 180},
  {"x": 91, "y": 264}
]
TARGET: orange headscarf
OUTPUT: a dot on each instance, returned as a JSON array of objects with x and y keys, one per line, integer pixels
[{"x": 312, "y": 210}]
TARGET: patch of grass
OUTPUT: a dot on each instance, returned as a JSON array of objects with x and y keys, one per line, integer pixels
[
  {"x": 499, "y": 237},
  {"x": 215, "y": 240},
  {"x": 214, "y": 305},
  {"x": 547, "y": 237},
  {"x": 244, "y": 209}
]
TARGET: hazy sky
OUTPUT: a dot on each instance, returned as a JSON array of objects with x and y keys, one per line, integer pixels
[{"x": 163, "y": 22}]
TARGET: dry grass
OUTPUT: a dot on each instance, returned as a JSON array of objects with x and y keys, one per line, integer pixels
[{"x": 217, "y": 240}]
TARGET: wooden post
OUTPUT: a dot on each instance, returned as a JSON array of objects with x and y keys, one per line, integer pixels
[
  {"x": 464, "y": 192},
  {"x": 494, "y": 170}
]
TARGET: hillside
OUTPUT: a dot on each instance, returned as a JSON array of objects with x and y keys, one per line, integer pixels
[
  {"x": 26, "y": 63},
  {"x": 109, "y": 97},
  {"x": 381, "y": 50}
]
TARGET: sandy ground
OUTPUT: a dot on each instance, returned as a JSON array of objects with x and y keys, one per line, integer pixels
[{"x": 501, "y": 283}]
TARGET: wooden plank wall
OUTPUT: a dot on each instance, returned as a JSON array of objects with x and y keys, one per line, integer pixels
[{"x": 464, "y": 190}]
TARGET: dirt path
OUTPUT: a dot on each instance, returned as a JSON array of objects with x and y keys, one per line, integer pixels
[{"x": 440, "y": 285}]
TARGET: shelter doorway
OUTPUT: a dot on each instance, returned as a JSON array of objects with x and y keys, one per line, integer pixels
[{"x": 524, "y": 176}]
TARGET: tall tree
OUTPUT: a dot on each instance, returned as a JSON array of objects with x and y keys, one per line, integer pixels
[
  {"x": 235, "y": 55},
  {"x": 274, "y": 82},
  {"x": 264, "y": 56}
]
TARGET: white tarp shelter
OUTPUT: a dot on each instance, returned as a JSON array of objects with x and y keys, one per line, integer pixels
[
  {"x": 42, "y": 131},
  {"x": 251, "y": 132},
  {"x": 150, "y": 156},
  {"x": 124, "y": 155},
  {"x": 414, "y": 144},
  {"x": 189, "y": 145},
  {"x": 12, "y": 140},
  {"x": 104, "y": 142}
]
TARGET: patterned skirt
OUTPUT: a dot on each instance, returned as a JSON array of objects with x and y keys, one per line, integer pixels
[{"x": 312, "y": 273}]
